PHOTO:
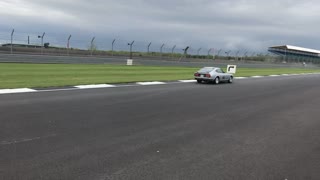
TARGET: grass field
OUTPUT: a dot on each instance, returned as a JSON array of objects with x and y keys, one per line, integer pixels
[{"x": 50, "y": 75}]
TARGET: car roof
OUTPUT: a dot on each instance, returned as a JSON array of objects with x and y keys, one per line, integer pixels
[
  {"x": 207, "y": 69},
  {"x": 211, "y": 67}
]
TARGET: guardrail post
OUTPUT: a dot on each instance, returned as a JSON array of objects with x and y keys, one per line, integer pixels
[
  {"x": 148, "y": 49},
  {"x": 112, "y": 46},
  {"x": 11, "y": 50},
  {"x": 172, "y": 50},
  {"x": 68, "y": 44},
  {"x": 198, "y": 52},
  {"x": 130, "y": 44},
  {"x": 161, "y": 50},
  {"x": 92, "y": 45},
  {"x": 209, "y": 53},
  {"x": 42, "y": 42}
]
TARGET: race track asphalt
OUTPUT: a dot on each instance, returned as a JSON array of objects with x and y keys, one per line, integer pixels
[
  {"x": 263, "y": 128},
  {"x": 149, "y": 61}
]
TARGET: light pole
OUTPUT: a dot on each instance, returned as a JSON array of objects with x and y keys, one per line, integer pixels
[
  {"x": 245, "y": 54},
  {"x": 112, "y": 46},
  {"x": 228, "y": 54},
  {"x": 130, "y": 44},
  {"x": 285, "y": 55},
  {"x": 11, "y": 40},
  {"x": 68, "y": 44},
  {"x": 209, "y": 53},
  {"x": 237, "y": 55},
  {"x": 172, "y": 50},
  {"x": 219, "y": 52},
  {"x": 252, "y": 58},
  {"x": 161, "y": 50},
  {"x": 42, "y": 42},
  {"x": 149, "y": 47},
  {"x": 253, "y": 55},
  {"x": 185, "y": 53},
  {"x": 198, "y": 52},
  {"x": 92, "y": 45},
  {"x": 267, "y": 57}
]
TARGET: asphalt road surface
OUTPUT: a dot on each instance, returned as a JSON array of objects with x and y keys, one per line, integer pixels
[
  {"x": 154, "y": 61},
  {"x": 266, "y": 128}
]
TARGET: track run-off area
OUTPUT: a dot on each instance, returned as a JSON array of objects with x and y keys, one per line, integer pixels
[{"x": 256, "y": 128}]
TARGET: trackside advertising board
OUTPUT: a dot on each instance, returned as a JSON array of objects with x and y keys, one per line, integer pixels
[{"x": 232, "y": 69}]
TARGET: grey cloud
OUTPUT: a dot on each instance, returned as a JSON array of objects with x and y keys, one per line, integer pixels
[{"x": 229, "y": 24}]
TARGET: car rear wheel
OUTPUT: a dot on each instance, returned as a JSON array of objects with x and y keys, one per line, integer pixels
[
  {"x": 230, "y": 79},
  {"x": 217, "y": 80},
  {"x": 199, "y": 81}
]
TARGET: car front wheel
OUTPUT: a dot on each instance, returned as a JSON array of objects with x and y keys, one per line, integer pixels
[
  {"x": 199, "y": 81},
  {"x": 230, "y": 79}
]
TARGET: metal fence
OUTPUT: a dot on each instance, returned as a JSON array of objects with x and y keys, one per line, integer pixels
[{"x": 53, "y": 44}]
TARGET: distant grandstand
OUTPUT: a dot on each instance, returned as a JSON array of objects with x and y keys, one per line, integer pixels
[{"x": 296, "y": 54}]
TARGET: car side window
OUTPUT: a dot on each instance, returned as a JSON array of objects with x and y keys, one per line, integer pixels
[{"x": 218, "y": 71}]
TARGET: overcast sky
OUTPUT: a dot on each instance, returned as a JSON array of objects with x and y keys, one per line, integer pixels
[{"x": 227, "y": 24}]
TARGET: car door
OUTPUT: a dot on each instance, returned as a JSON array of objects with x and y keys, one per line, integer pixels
[
  {"x": 225, "y": 75},
  {"x": 221, "y": 74}
]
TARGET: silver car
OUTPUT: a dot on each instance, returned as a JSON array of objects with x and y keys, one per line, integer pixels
[{"x": 212, "y": 74}]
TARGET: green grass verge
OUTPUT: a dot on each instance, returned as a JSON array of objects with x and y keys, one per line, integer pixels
[{"x": 15, "y": 75}]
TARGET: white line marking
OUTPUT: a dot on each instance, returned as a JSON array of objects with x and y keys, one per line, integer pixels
[
  {"x": 187, "y": 81},
  {"x": 53, "y": 90},
  {"x": 93, "y": 86},
  {"x": 25, "y": 140},
  {"x": 21, "y": 90},
  {"x": 150, "y": 83},
  {"x": 241, "y": 77}
]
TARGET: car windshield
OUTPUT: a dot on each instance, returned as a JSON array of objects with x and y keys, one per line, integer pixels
[{"x": 206, "y": 69}]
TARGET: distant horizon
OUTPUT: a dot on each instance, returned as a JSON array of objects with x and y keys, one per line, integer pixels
[
  {"x": 231, "y": 25},
  {"x": 213, "y": 51},
  {"x": 119, "y": 45}
]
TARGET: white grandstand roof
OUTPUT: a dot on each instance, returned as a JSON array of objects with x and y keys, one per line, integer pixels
[{"x": 296, "y": 48}]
